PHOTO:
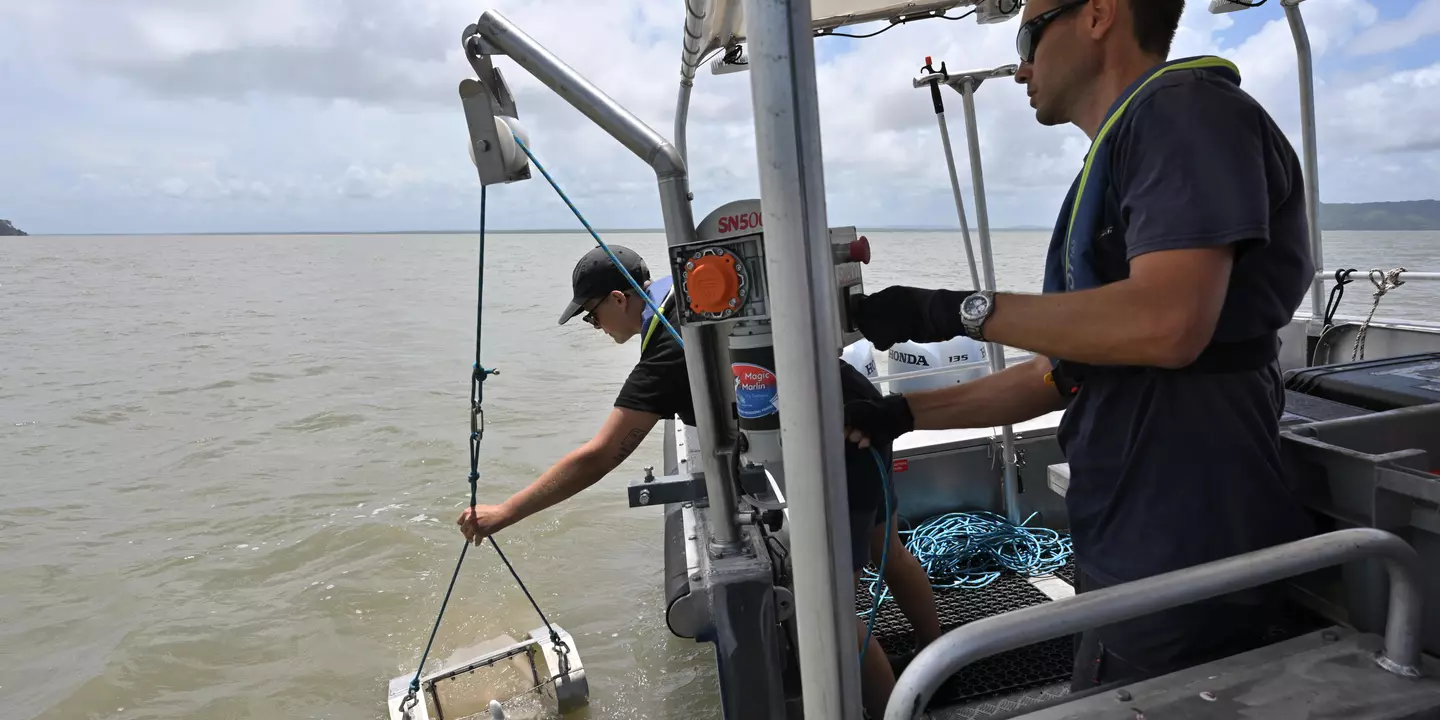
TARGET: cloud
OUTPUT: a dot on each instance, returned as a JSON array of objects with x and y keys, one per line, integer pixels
[
  {"x": 1422, "y": 21},
  {"x": 1367, "y": 119},
  {"x": 343, "y": 114}
]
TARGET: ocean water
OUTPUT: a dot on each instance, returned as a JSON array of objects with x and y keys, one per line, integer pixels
[{"x": 230, "y": 466}]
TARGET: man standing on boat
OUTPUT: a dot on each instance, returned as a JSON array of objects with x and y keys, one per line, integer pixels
[
  {"x": 659, "y": 388},
  {"x": 1179, "y": 253}
]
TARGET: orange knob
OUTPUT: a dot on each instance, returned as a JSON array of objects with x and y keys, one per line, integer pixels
[{"x": 713, "y": 284}]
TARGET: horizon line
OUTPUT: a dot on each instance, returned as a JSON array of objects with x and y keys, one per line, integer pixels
[{"x": 507, "y": 231}]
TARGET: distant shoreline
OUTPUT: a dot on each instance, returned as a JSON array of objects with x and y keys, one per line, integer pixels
[
  {"x": 626, "y": 231},
  {"x": 552, "y": 231}
]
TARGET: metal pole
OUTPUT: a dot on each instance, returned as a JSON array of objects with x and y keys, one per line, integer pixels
[
  {"x": 959, "y": 202},
  {"x": 701, "y": 344},
  {"x": 805, "y": 319},
  {"x": 1019, "y": 628},
  {"x": 1311, "y": 153},
  {"x": 690, "y": 48},
  {"x": 682, "y": 118},
  {"x": 939, "y": 103},
  {"x": 704, "y": 353},
  {"x": 571, "y": 86},
  {"x": 1011, "y": 473}
]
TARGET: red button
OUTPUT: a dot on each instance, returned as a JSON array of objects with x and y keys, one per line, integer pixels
[{"x": 860, "y": 250}]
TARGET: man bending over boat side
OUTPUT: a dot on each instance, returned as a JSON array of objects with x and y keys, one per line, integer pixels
[
  {"x": 1179, "y": 253},
  {"x": 658, "y": 388}
]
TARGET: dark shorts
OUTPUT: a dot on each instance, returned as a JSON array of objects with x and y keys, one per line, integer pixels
[
  {"x": 1171, "y": 640},
  {"x": 863, "y": 475},
  {"x": 867, "y": 502}
]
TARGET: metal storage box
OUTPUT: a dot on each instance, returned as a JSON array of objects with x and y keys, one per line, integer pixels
[{"x": 1376, "y": 470}]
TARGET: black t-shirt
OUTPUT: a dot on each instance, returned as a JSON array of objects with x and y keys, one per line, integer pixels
[
  {"x": 659, "y": 384},
  {"x": 1173, "y": 469}
]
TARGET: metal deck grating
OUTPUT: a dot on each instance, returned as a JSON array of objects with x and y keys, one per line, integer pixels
[
  {"x": 1004, "y": 705},
  {"x": 1031, "y": 666},
  {"x": 1067, "y": 573}
]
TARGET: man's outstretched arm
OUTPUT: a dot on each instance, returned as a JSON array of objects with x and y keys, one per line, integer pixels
[
  {"x": 1013, "y": 395},
  {"x": 1016, "y": 394},
  {"x": 1163, "y": 315},
  {"x": 622, "y": 432}
]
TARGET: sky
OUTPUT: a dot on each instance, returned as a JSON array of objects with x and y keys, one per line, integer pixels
[{"x": 181, "y": 116}]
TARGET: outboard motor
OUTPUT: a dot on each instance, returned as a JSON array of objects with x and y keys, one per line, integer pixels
[
  {"x": 721, "y": 279},
  {"x": 960, "y": 358}
]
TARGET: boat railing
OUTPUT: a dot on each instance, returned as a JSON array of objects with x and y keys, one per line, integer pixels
[
  {"x": 1405, "y": 275},
  {"x": 989, "y": 636}
]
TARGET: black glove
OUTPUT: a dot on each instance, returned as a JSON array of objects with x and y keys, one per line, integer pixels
[
  {"x": 881, "y": 419},
  {"x": 899, "y": 313}
]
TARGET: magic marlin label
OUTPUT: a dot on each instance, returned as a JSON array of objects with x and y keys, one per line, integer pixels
[{"x": 756, "y": 394}]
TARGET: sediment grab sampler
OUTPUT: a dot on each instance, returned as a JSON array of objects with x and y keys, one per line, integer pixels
[{"x": 546, "y": 660}]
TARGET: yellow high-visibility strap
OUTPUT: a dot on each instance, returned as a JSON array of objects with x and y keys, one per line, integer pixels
[
  {"x": 655, "y": 320},
  {"x": 1205, "y": 62}
]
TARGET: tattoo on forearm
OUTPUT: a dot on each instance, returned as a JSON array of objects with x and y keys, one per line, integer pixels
[{"x": 628, "y": 445}]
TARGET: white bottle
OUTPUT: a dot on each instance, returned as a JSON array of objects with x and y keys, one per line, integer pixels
[
  {"x": 965, "y": 357},
  {"x": 861, "y": 356}
]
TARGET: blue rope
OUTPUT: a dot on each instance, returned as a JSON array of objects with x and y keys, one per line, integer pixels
[
  {"x": 478, "y": 373},
  {"x": 971, "y": 550},
  {"x": 884, "y": 553},
  {"x": 639, "y": 290}
]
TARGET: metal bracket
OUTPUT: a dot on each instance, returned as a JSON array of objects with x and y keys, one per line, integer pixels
[
  {"x": 476, "y": 44},
  {"x": 484, "y": 100},
  {"x": 753, "y": 480},
  {"x": 957, "y": 80},
  {"x": 652, "y": 490}
]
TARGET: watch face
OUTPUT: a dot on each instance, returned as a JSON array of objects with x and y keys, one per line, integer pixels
[{"x": 975, "y": 306}]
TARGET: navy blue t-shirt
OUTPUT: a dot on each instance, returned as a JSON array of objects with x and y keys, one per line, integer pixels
[{"x": 1171, "y": 469}]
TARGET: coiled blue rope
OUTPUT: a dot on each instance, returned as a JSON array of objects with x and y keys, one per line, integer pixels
[
  {"x": 971, "y": 550},
  {"x": 639, "y": 290}
]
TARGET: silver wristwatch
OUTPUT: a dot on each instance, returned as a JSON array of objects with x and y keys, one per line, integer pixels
[{"x": 974, "y": 311}]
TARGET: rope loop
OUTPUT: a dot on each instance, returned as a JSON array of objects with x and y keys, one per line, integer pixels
[
  {"x": 410, "y": 701},
  {"x": 1384, "y": 281}
]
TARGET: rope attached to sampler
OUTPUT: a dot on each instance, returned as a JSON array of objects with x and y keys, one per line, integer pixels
[{"x": 478, "y": 374}]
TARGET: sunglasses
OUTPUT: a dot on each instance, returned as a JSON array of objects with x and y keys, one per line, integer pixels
[
  {"x": 1028, "y": 37},
  {"x": 589, "y": 315}
]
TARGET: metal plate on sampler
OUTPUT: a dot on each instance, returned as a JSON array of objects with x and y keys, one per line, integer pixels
[{"x": 513, "y": 670}]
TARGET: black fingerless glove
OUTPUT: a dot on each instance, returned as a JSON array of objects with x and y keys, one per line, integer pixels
[
  {"x": 900, "y": 314},
  {"x": 881, "y": 419}
]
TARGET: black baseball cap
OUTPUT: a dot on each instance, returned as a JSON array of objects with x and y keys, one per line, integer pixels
[{"x": 596, "y": 275}]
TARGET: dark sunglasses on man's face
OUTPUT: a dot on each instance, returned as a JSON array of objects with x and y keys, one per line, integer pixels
[
  {"x": 589, "y": 316},
  {"x": 1028, "y": 37}
]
